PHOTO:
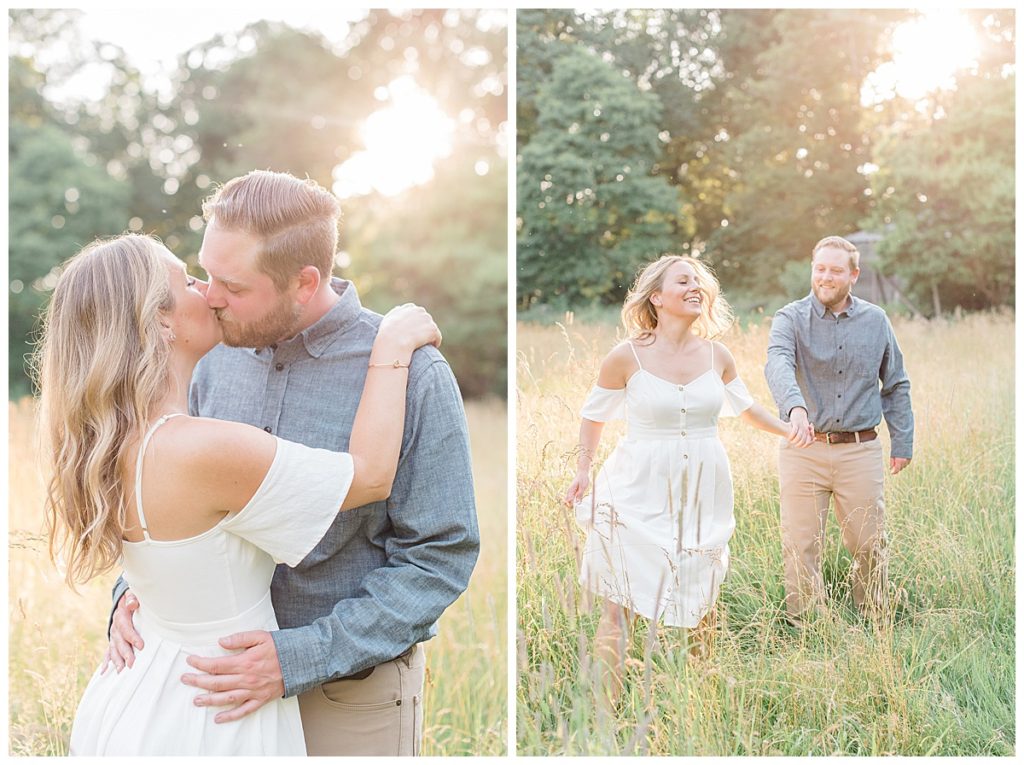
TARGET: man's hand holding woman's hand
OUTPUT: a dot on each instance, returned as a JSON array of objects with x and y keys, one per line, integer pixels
[{"x": 801, "y": 432}]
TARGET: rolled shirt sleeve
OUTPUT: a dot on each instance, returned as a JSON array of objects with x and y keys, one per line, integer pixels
[
  {"x": 895, "y": 392},
  {"x": 430, "y": 554},
  {"x": 780, "y": 369}
]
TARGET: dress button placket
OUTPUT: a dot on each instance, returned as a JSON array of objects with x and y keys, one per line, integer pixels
[{"x": 682, "y": 412}]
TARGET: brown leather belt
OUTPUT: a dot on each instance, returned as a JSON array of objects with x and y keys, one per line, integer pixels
[{"x": 847, "y": 438}]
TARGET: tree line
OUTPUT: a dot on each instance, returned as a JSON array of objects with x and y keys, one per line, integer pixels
[{"x": 742, "y": 136}]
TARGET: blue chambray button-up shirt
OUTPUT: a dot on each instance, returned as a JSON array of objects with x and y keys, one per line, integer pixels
[
  {"x": 382, "y": 575},
  {"x": 832, "y": 364}
]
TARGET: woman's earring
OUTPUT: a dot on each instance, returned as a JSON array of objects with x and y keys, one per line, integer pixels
[{"x": 173, "y": 336}]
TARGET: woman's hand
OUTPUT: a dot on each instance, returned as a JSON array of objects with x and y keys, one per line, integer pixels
[
  {"x": 406, "y": 328},
  {"x": 577, "y": 489}
]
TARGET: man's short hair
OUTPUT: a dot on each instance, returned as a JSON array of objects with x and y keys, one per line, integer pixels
[
  {"x": 297, "y": 221},
  {"x": 840, "y": 244}
]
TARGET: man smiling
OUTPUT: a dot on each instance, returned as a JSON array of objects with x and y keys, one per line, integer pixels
[{"x": 826, "y": 356}]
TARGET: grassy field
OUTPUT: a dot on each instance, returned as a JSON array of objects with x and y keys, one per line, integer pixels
[
  {"x": 938, "y": 679},
  {"x": 57, "y": 638}
]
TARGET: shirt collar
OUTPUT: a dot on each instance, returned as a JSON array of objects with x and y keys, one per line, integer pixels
[
  {"x": 317, "y": 337},
  {"x": 342, "y": 315},
  {"x": 820, "y": 310}
]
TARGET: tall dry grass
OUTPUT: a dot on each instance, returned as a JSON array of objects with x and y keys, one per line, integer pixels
[
  {"x": 937, "y": 679},
  {"x": 57, "y": 637}
]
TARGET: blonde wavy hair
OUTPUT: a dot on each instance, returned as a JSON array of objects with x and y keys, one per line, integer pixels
[
  {"x": 640, "y": 318},
  {"x": 101, "y": 363}
]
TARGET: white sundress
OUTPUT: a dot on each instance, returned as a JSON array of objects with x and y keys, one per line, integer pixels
[
  {"x": 660, "y": 514},
  {"x": 192, "y": 592}
]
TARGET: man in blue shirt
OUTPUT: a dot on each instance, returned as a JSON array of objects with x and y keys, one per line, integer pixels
[
  {"x": 295, "y": 354},
  {"x": 826, "y": 356}
]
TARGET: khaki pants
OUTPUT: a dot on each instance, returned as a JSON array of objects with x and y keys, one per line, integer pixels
[
  {"x": 851, "y": 474},
  {"x": 381, "y": 714}
]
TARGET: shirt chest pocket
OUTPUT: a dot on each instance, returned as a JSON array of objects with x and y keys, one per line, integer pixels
[{"x": 865, "y": 364}]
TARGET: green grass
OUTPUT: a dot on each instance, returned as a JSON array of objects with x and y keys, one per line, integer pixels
[
  {"x": 57, "y": 638},
  {"x": 938, "y": 679}
]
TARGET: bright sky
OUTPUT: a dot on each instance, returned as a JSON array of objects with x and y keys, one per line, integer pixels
[
  {"x": 402, "y": 139},
  {"x": 153, "y": 38},
  {"x": 927, "y": 53}
]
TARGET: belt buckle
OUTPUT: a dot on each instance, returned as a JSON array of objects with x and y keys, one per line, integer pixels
[{"x": 828, "y": 438}]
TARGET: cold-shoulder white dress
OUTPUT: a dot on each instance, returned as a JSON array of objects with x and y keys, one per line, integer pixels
[
  {"x": 192, "y": 592},
  {"x": 660, "y": 515}
]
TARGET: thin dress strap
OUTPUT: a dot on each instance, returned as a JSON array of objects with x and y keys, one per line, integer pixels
[
  {"x": 138, "y": 470},
  {"x": 635, "y": 356},
  {"x": 712, "y": 355}
]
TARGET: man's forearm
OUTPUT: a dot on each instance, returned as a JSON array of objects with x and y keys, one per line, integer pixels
[
  {"x": 402, "y": 606},
  {"x": 780, "y": 369},
  {"x": 899, "y": 417},
  {"x": 895, "y": 393}
]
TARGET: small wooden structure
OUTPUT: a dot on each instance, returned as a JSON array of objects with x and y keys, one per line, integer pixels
[{"x": 873, "y": 285}]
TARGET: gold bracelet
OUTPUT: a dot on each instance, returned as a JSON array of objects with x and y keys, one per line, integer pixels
[{"x": 396, "y": 364}]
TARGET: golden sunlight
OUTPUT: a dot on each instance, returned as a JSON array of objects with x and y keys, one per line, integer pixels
[
  {"x": 402, "y": 141},
  {"x": 927, "y": 53}
]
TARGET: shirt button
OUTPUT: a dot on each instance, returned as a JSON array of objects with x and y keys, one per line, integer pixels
[
  {"x": 681, "y": 387},
  {"x": 279, "y": 367},
  {"x": 683, "y": 411},
  {"x": 840, "y": 371},
  {"x": 686, "y": 456},
  {"x": 267, "y": 428},
  {"x": 840, "y": 395},
  {"x": 683, "y": 433}
]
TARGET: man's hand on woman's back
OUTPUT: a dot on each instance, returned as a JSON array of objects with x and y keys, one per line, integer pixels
[{"x": 124, "y": 640}]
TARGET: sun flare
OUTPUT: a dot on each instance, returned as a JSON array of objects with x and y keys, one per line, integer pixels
[
  {"x": 927, "y": 52},
  {"x": 402, "y": 141}
]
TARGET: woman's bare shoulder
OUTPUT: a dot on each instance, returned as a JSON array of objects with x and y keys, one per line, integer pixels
[
  {"x": 724, "y": 361},
  {"x": 617, "y": 366},
  {"x": 721, "y": 350},
  {"x": 218, "y": 451}
]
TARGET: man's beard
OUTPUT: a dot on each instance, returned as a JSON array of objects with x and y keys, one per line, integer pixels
[
  {"x": 835, "y": 302},
  {"x": 279, "y": 323}
]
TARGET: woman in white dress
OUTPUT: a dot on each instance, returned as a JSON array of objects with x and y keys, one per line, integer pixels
[
  {"x": 197, "y": 511},
  {"x": 660, "y": 515}
]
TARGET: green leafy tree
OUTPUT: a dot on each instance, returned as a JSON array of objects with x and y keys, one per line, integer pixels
[
  {"x": 671, "y": 53},
  {"x": 945, "y": 192},
  {"x": 675, "y": 54},
  {"x": 591, "y": 209},
  {"x": 448, "y": 253},
  {"x": 58, "y": 203},
  {"x": 799, "y": 139},
  {"x": 541, "y": 35}
]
